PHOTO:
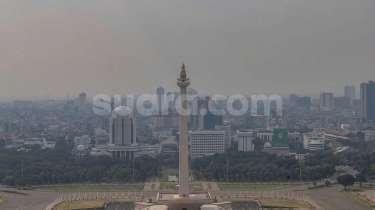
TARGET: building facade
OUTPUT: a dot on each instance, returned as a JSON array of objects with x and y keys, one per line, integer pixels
[
  {"x": 206, "y": 142},
  {"x": 368, "y": 100},
  {"x": 245, "y": 140},
  {"x": 350, "y": 92},
  {"x": 326, "y": 101},
  {"x": 314, "y": 141}
]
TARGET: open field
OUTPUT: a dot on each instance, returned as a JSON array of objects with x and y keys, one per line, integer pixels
[
  {"x": 89, "y": 203},
  {"x": 247, "y": 186},
  {"x": 274, "y": 202},
  {"x": 91, "y": 188}
]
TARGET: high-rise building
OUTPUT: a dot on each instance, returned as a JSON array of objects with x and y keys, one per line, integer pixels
[
  {"x": 342, "y": 102},
  {"x": 245, "y": 140},
  {"x": 82, "y": 100},
  {"x": 122, "y": 127},
  {"x": 296, "y": 101},
  {"x": 350, "y": 92},
  {"x": 160, "y": 98},
  {"x": 368, "y": 100},
  {"x": 211, "y": 119},
  {"x": 293, "y": 100},
  {"x": 304, "y": 102},
  {"x": 206, "y": 143},
  {"x": 326, "y": 101}
]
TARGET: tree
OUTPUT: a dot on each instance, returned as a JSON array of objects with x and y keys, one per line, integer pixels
[
  {"x": 346, "y": 180},
  {"x": 360, "y": 178},
  {"x": 2, "y": 143},
  {"x": 9, "y": 180},
  {"x": 258, "y": 144},
  {"x": 360, "y": 135}
]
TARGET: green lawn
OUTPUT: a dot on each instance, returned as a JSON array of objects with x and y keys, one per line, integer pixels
[
  {"x": 360, "y": 199},
  {"x": 153, "y": 187},
  {"x": 82, "y": 204},
  {"x": 274, "y": 202},
  {"x": 168, "y": 185},
  {"x": 247, "y": 186},
  {"x": 196, "y": 185},
  {"x": 92, "y": 188},
  {"x": 209, "y": 186}
]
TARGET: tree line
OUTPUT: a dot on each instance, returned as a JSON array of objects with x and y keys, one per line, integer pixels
[{"x": 58, "y": 166}]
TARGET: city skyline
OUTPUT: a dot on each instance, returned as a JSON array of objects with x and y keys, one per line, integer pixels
[{"x": 117, "y": 47}]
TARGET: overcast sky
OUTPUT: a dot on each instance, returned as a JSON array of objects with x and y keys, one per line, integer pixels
[{"x": 231, "y": 46}]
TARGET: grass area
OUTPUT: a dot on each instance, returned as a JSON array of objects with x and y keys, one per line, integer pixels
[
  {"x": 81, "y": 204},
  {"x": 196, "y": 185},
  {"x": 247, "y": 186},
  {"x": 13, "y": 192},
  {"x": 274, "y": 202},
  {"x": 92, "y": 188},
  {"x": 3, "y": 201},
  {"x": 153, "y": 187},
  {"x": 360, "y": 199},
  {"x": 209, "y": 186},
  {"x": 168, "y": 185}
]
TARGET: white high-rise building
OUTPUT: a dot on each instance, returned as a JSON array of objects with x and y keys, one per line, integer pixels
[
  {"x": 245, "y": 140},
  {"x": 206, "y": 143},
  {"x": 314, "y": 140},
  {"x": 326, "y": 102},
  {"x": 122, "y": 127}
]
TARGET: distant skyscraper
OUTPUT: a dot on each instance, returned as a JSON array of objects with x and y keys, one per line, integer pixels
[
  {"x": 342, "y": 102},
  {"x": 368, "y": 100},
  {"x": 326, "y": 101},
  {"x": 82, "y": 100},
  {"x": 350, "y": 92},
  {"x": 211, "y": 119},
  {"x": 160, "y": 98}
]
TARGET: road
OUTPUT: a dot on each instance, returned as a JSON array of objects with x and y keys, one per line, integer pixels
[{"x": 328, "y": 198}]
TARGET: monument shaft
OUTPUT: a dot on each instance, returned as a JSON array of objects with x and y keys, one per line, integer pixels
[{"x": 183, "y": 82}]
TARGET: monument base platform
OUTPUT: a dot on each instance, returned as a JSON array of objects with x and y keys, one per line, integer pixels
[{"x": 193, "y": 202}]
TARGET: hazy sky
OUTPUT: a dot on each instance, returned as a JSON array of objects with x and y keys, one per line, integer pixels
[{"x": 231, "y": 46}]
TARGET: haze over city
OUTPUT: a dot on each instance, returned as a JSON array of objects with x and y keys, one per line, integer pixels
[{"x": 119, "y": 47}]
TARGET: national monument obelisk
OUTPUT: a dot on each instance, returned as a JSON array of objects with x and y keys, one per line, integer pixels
[{"x": 183, "y": 82}]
